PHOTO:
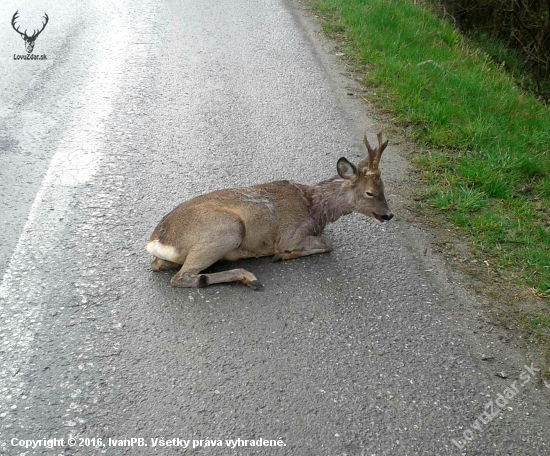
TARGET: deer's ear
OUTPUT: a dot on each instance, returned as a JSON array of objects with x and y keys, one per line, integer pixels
[{"x": 346, "y": 170}]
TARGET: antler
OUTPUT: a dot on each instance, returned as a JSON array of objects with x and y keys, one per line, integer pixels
[
  {"x": 13, "y": 19},
  {"x": 24, "y": 34},
  {"x": 374, "y": 154},
  {"x": 35, "y": 34}
]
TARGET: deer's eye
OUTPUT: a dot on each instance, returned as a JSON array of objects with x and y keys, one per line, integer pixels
[{"x": 370, "y": 195}]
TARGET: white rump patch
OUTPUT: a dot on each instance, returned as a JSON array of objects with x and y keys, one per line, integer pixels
[{"x": 164, "y": 252}]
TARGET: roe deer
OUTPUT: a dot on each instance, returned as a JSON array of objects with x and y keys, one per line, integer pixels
[{"x": 281, "y": 218}]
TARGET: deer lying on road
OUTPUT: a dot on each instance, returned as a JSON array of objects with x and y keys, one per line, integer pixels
[{"x": 281, "y": 218}]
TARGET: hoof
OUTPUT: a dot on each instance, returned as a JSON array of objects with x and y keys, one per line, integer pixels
[{"x": 255, "y": 285}]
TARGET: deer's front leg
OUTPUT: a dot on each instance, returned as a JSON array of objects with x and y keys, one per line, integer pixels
[{"x": 310, "y": 245}]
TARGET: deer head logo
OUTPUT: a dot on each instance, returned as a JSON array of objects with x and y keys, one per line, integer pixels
[{"x": 29, "y": 40}]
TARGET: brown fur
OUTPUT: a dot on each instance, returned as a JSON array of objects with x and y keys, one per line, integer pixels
[{"x": 281, "y": 218}]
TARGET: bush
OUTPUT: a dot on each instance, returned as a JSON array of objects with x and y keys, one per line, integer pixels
[{"x": 523, "y": 25}]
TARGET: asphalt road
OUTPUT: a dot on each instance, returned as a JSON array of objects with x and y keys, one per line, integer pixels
[{"x": 140, "y": 105}]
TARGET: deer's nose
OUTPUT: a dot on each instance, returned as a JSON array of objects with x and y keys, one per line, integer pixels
[{"x": 387, "y": 217}]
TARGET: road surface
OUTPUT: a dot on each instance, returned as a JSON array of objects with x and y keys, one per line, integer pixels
[{"x": 140, "y": 105}]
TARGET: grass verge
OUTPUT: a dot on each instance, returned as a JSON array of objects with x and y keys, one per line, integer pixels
[{"x": 488, "y": 174}]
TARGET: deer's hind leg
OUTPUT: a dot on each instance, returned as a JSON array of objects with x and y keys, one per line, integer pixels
[
  {"x": 189, "y": 275},
  {"x": 187, "y": 279},
  {"x": 213, "y": 247}
]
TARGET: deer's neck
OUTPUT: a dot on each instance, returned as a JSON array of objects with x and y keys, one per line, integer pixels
[{"x": 328, "y": 201}]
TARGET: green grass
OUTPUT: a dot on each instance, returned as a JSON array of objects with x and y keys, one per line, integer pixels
[{"x": 491, "y": 178}]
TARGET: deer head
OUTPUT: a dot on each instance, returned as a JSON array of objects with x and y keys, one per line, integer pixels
[
  {"x": 366, "y": 183},
  {"x": 29, "y": 40}
]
